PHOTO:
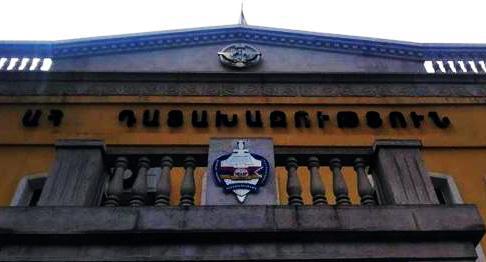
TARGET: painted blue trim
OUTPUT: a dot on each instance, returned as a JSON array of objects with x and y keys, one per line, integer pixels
[{"x": 241, "y": 33}]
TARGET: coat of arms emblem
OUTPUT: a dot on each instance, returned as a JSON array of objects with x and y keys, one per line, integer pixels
[
  {"x": 239, "y": 55},
  {"x": 240, "y": 172}
]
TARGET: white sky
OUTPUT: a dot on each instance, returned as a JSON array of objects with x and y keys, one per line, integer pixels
[{"x": 430, "y": 21}]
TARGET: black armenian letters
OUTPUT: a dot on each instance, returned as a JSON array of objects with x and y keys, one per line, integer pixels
[
  {"x": 278, "y": 119},
  {"x": 32, "y": 117}
]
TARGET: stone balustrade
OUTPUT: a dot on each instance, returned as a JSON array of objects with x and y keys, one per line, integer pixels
[
  {"x": 382, "y": 174},
  {"x": 397, "y": 216},
  {"x": 132, "y": 189},
  {"x": 340, "y": 190},
  {"x": 313, "y": 159},
  {"x": 127, "y": 183}
]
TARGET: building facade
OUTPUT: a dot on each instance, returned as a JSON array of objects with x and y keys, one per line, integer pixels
[{"x": 374, "y": 148}]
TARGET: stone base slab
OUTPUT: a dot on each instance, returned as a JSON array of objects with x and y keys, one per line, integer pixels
[{"x": 415, "y": 232}]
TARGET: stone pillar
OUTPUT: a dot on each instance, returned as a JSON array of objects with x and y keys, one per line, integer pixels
[
  {"x": 294, "y": 190},
  {"x": 115, "y": 185},
  {"x": 400, "y": 174},
  {"x": 339, "y": 187},
  {"x": 188, "y": 187},
  {"x": 162, "y": 197},
  {"x": 139, "y": 188},
  {"x": 365, "y": 190},
  {"x": 238, "y": 160},
  {"x": 317, "y": 189},
  {"x": 76, "y": 178}
]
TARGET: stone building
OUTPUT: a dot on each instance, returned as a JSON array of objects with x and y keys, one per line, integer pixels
[{"x": 242, "y": 142}]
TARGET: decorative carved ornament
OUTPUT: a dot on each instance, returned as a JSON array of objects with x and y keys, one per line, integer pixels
[{"x": 239, "y": 55}]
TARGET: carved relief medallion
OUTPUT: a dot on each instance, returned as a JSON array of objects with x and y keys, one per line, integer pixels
[{"x": 239, "y": 55}]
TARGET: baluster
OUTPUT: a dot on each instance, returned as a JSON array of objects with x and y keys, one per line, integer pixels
[
  {"x": 293, "y": 184},
  {"x": 188, "y": 187},
  {"x": 365, "y": 190},
  {"x": 338, "y": 184},
  {"x": 162, "y": 197},
  {"x": 115, "y": 186},
  {"x": 317, "y": 189},
  {"x": 139, "y": 188}
]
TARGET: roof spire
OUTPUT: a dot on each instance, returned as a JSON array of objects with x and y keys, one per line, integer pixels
[{"x": 242, "y": 15}]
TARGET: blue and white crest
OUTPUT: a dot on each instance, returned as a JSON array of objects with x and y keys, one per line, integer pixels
[{"x": 240, "y": 172}]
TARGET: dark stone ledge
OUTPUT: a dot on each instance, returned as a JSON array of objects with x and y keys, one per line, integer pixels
[
  {"x": 243, "y": 77},
  {"x": 240, "y": 232},
  {"x": 241, "y": 84},
  {"x": 89, "y": 88}
]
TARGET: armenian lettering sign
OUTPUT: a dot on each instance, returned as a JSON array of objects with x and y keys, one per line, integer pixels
[{"x": 277, "y": 119}]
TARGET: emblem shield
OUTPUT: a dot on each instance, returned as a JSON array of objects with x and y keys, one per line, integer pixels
[{"x": 240, "y": 172}]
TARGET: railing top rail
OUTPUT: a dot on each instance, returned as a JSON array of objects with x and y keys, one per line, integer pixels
[
  {"x": 155, "y": 154},
  {"x": 347, "y": 155}
]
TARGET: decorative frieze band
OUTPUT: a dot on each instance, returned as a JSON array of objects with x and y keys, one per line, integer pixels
[
  {"x": 455, "y": 66},
  {"x": 25, "y": 64}
]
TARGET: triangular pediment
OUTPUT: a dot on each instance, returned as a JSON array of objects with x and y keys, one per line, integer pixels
[{"x": 195, "y": 50}]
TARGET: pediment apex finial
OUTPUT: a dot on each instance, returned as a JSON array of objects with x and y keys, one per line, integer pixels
[{"x": 242, "y": 15}]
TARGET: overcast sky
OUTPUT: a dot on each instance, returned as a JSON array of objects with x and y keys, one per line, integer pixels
[{"x": 429, "y": 21}]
